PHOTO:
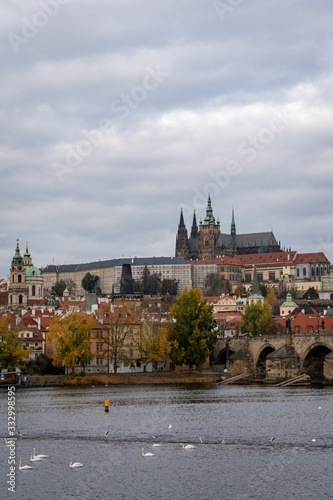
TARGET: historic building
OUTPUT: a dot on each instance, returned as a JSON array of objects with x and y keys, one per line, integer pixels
[
  {"x": 206, "y": 242},
  {"x": 26, "y": 281}
]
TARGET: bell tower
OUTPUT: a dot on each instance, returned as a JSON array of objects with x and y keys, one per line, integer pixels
[
  {"x": 17, "y": 290},
  {"x": 209, "y": 231}
]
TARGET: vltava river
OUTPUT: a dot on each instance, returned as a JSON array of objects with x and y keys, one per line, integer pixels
[{"x": 236, "y": 459}]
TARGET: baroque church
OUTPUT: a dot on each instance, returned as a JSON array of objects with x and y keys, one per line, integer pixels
[
  {"x": 206, "y": 242},
  {"x": 26, "y": 281}
]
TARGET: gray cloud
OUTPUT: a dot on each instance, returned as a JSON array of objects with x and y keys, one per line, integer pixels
[{"x": 226, "y": 83}]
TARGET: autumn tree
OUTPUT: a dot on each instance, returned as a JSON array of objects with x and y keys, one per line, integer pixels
[
  {"x": 12, "y": 353},
  {"x": 239, "y": 290},
  {"x": 258, "y": 320},
  {"x": 271, "y": 299},
  {"x": 192, "y": 333},
  {"x": 120, "y": 324},
  {"x": 154, "y": 341},
  {"x": 70, "y": 335}
]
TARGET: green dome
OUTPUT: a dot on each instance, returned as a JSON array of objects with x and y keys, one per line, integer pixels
[
  {"x": 33, "y": 272},
  {"x": 239, "y": 301}
]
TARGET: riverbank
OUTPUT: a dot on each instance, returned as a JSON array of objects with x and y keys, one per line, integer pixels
[{"x": 121, "y": 379}]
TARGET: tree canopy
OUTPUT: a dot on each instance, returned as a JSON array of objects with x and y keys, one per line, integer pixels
[
  {"x": 215, "y": 285},
  {"x": 120, "y": 324},
  {"x": 258, "y": 320},
  {"x": 12, "y": 353},
  {"x": 89, "y": 282},
  {"x": 154, "y": 341},
  {"x": 70, "y": 335},
  {"x": 193, "y": 332}
]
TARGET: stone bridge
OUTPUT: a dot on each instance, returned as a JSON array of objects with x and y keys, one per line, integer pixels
[{"x": 276, "y": 357}]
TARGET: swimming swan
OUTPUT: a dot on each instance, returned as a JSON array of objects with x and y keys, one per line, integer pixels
[
  {"x": 35, "y": 459},
  {"x": 187, "y": 447},
  {"x": 24, "y": 467},
  {"x": 75, "y": 464},
  {"x": 147, "y": 454},
  {"x": 37, "y": 456}
]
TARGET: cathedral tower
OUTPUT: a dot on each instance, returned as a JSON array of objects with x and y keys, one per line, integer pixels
[
  {"x": 181, "y": 239},
  {"x": 209, "y": 231}
]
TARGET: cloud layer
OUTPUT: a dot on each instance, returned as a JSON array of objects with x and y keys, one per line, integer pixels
[{"x": 116, "y": 114}]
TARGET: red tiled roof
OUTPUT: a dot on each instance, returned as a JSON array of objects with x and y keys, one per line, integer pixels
[
  {"x": 219, "y": 261},
  {"x": 268, "y": 258},
  {"x": 311, "y": 258}
]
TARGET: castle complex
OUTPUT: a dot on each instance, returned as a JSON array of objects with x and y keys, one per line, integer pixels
[{"x": 207, "y": 242}]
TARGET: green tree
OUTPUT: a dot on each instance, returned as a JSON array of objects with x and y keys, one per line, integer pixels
[
  {"x": 258, "y": 320},
  {"x": 263, "y": 289},
  {"x": 192, "y": 333},
  {"x": 169, "y": 286},
  {"x": 12, "y": 353},
  {"x": 59, "y": 288},
  {"x": 70, "y": 335},
  {"x": 312, "y": 293},
  {"x": 215, "y": 285},
  {"x": 89, "y": 282}
]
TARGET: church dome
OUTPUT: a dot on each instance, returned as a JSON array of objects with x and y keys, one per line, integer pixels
[{"x": 33, "y": 272}]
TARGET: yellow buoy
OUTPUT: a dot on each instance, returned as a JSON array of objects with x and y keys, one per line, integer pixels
[{"x": 107, "y": 404}]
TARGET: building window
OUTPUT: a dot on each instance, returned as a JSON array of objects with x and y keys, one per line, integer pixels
[
  {"x": 20, "y": 299},
  {"x": 271, "y": 276},
  {"x": 298, "y": 272},
  {"x": 304, "y": 271},
  {"x": 19, "y": 278},
  {"x": 33, "y": 290}
]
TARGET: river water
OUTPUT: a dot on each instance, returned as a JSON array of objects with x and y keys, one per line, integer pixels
[{"x": 236, "y": 459}]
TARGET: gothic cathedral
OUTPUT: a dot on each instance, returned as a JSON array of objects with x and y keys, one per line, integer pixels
[{"x": 207, "y": 242}]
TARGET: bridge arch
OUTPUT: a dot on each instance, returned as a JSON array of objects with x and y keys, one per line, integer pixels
[
  {"x": 221, "y": 358},
  {"x": 260, "y": 364},
  {"x": 312, "y": 361}
]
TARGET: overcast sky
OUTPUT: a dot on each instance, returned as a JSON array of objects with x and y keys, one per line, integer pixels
[{"x": 117, "y": 113}]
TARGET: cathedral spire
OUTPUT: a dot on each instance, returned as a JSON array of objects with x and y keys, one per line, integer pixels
[
  {"x": 233, "y": 225},
  {"x": 209, "y": 219},
  {"x": 181, "y": 222},
  {"x": 194, "y": 229}
]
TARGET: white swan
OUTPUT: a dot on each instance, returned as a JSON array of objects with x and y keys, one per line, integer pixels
[
  {"x": 35, "y": 459},
  {"x": 200, "y": 439},
  {"x": 147, "y": 454},
  {"x": 156, "y": 444},
  {"x": 106, "y": 433},
  {"x": 24, "y": 467},
  {"x": 75, "y": 464},
  {"x": 37, "y": 456},
  {"x": 170, "y": 426},
  {"x": 187, "y": 447}
]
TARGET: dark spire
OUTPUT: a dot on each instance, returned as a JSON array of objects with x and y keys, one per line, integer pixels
[
  {"x": 194, "y": 230},
  {"x": 233, "y": 225},
  {"x": 255, "y": 283},
  {"x": 181, "y": 222}
]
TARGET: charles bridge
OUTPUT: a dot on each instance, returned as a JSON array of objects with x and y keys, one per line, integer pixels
[{"x": 272, "y": 358}]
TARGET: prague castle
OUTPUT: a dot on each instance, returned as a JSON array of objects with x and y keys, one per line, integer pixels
[{"x": 206, "y": 242}]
